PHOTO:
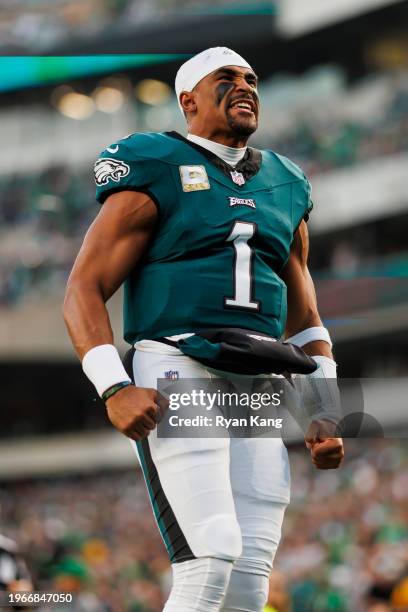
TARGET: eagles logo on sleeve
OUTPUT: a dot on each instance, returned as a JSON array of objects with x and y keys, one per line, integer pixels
[{"x": 107, "y": 169}]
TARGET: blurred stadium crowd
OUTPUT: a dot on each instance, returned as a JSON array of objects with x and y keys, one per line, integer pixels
[
  {"x": 44, "y": 216},
  {"x": 350, "y": 125},
  {"x": 33, "y": 27},
  {"x": 344, "y": 547}
]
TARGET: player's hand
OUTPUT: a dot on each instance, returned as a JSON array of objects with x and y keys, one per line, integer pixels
[
  {"x": 135, "y": 411},
  {"x": 327, "y": 451}
]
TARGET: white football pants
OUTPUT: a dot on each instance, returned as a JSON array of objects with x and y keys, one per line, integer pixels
[{"x": 219, "y": 502}]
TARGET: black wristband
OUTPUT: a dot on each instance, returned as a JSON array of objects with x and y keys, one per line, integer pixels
[{"x": 114, "y": 389}]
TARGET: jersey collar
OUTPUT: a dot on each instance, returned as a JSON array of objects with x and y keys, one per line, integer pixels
[{"x": 249, "y": 165}]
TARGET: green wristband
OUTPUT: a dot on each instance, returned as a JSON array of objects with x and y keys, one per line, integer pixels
[{"x": 114, "y": 389}]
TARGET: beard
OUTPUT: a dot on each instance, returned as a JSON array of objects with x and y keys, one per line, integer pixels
[{"x": 243, "y": 126}]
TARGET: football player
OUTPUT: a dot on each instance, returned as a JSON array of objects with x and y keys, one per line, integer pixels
[
  {"x": 206, "y": 233},
  {"x": 14, "y": 574}
]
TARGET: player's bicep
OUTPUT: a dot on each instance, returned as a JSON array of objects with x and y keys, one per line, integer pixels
[
  {"x": 302, "y": 303},
  {"x": 296, "y": 266},
  {"x": 115, "y": 242}
]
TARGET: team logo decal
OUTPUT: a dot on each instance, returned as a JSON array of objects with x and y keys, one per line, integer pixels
[
  {"x": 194, "y": 178},
  {"x": 171, "y": 375},
  {"x": 107, "y": 169},
  {"x": 238, "y": 178},
  {"x": 242, "y": 201}
]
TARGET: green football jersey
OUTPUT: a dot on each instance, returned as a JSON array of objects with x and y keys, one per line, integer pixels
[{"x": 222, "y": 238}]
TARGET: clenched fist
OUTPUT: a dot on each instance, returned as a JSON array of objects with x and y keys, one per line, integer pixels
[
  {"x": 327, "y": 452},
  {"x": 135, "y": 411}
]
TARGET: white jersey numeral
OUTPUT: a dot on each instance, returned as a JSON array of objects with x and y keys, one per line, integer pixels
[{"x": 241, "y": 232}]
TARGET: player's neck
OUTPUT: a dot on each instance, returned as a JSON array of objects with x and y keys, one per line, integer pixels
[
  {"x": 227, "y": 138},
  {"x": 231, "y": 155}
]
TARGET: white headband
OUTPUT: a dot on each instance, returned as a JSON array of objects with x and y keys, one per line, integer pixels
[{"x": 196, "y": 68}]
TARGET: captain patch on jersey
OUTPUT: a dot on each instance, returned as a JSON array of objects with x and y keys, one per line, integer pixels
[
  {"x": 194, "y": 178},
  {"x": 108, "y": 169}
]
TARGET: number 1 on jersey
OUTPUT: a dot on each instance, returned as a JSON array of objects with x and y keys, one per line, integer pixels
[{"x": 243, "y": 273}]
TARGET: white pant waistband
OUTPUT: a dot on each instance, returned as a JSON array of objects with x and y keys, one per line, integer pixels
[{"x": 153, "y": 346}]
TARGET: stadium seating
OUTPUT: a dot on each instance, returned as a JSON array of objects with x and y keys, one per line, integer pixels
[{"x": 345, "y": 536}]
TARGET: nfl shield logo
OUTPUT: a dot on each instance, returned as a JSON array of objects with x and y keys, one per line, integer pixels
[
  {"x": 238, "y": 178},
  {"x": 171, "y": 375}
]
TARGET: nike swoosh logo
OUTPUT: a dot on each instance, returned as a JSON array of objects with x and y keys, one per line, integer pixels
[{"x": 113, "y": 149}]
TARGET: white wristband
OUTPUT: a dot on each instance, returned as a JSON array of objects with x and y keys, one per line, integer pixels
[
  {"x": 310, "y": 335},
  {"x": 103, "y": 367}
]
